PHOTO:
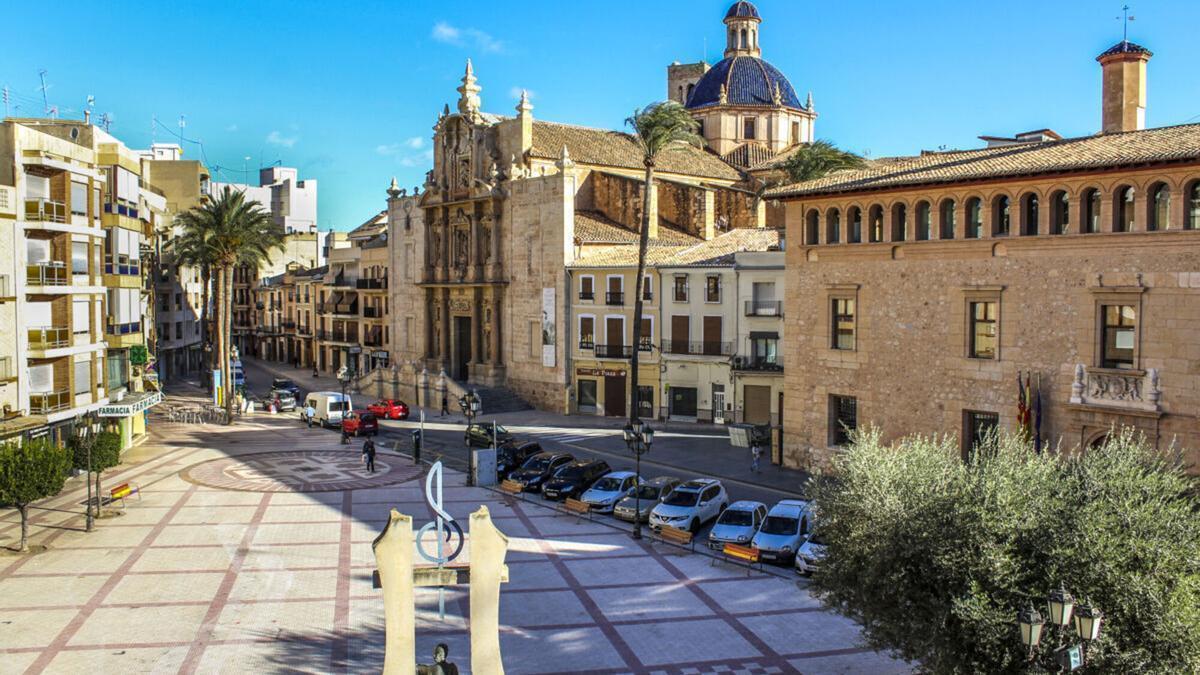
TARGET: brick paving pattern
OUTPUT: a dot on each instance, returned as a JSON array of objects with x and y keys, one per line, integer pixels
[{"x": 250, "y": 577}]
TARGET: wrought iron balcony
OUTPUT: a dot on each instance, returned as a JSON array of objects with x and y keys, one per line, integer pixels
[
  {"x": 764, "y": 308},
  {"x": 373, "y": 312},
  {"x": 697, "y": 348},
  {"x": 586, "y": 345},
  {"x": 616, "y": 298},
  {"x": 373, "y": 284},
  {"x": 587, "y": 295},
  {"x": 759, "y": 364},
  {"x": 613, "y": 351}
]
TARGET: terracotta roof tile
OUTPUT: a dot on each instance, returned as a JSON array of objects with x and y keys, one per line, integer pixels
[
  {"x": 603, "y": 147},
  {"x": 718, "y": 251},
  {"x": 1166, "y": 144},
  {"x": 593, "y": 227}
]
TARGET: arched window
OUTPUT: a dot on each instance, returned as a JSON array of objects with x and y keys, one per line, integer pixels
[
  {"x": 1191, "y": 220},
  {"x": 811, "y": 225},
  {"x": 681, "y": 98},
  {"x": 974, "y": 218},
  {"x": 1060, "y": 213},
  {"x": 833, "y": 226},
  {"x": 855, "y": 218},
  {"x": 744, "y": 44},
  {"x": 924, "y": 221},
  {"x": 875, "y": 234},
  {"x": 1159, "y": 215},
  {"x": 1123, "y": 209},
  {"x": 1091, "y": 211},
  {"x": 1001, "y": 217},
  {"x": 899, "y": 222},
  {"x": 1029, "y": 214},
  {"x": 947, "y": 222}
]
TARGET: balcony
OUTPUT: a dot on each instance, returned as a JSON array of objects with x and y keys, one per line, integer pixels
[
  {"x": 376, "y": 284},
  {"x": 586, "y": 345},
  {"x": 613, "y": 351},
  {"x": 289, "y": 325},
  {"x": 44, "y": 403},
  {"x": 373, "y": 339},
  {"x": 344, "y": 308},
  {"x": 121, "y": 209},
  {"x": 47, "y": 274},
  {"x": 373, "y": 312},
  {"x": 49, "y": 338},
  {"x": 304, "y": 330},
  {"x": 616, "y": 298},
  {"x": 124, "y": 328},
  {"x": 764, "y": 308},
  {"x": 697, "y": 348},
  {"x": 587, "y": 295},
  {"x": 45, "y": 211},
  {"x": 759, "y": 364},
  {"x": 1134, "y": 390},
  {"x": 341, "y": 281},
  {"x": 122, "y": 265}
]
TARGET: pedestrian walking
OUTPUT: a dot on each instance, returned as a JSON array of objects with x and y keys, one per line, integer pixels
[
  {"x": 755, "y": 453},
  {"x": 309, "y": 413},
  {"x": 445, "y": 405},
  {"x": 369, "y": 454}
]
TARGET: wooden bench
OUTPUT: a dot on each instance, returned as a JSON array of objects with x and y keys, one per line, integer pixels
[
  {"x": 580, "y": 509},
  {"x": 511, "y": 488},
  {"x": 122, "y": 491},
  {"x": 674, "y": 535},
  {"x": 741, "y": 554}
]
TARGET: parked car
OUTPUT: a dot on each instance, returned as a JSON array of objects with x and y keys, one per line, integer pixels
[
  {"x": 389, "y": 409},
  {"x": 811, "y": 553},
  {"x": 738, "y": 524},
  {"x": 360, "y": 423},
  {"x": 783, "y": 531},
  {"x": 571, "y": 480},
  {"x": 691, "y": 505},
  {"x": 284, "y": 384},
  {"x": 284, "y": 400},
  {"x": 328, "y": 407},
  {"x": 537, "y": 469},
  {"x": 647, "y": 496},
  {"x": 479, "y": 435},
  {"x": 510, "y": 457},
  {"x": 604, "y": 494}
]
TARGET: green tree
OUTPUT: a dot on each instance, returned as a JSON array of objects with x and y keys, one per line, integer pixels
[
  {"x": 935, "y": 556},
  {"x": 229, "y": 231},
  {"x": 817, "y": 159},
  {"x": 31, "y": 471},
  {"x": 105, "y": 451},
  {"x": 191, "y": 248},
  {"x": 658, "y": 128}
]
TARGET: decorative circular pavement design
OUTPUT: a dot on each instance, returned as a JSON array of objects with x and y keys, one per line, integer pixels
[{"x": 312, "y": 471}]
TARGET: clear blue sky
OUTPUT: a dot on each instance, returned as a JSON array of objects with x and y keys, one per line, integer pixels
[{"x": 349, "y": 94}]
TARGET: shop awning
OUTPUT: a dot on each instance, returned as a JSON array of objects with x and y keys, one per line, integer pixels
[{"x": 132, "y": 404}]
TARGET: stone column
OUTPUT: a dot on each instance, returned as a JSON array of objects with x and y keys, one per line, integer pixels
[
  {"x": 473, "y": 254},
  {"x": 476, "y": 327},
  {"x": 430, "y": 347},
  {"x": 446, "y": 244},
  {"x": 444, "y": 349},
  {"x": 494, "y": 359},
  {"x": 494, "y": 264},
  {"x": 960, "y": 218}
]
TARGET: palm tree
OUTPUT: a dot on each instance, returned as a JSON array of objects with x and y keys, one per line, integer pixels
[
  {"x": 817, "y": 159},
  {"x": 191, "y": 249},
  {"x": 657, "y": 128},
  {"x": 230, "y": 231}
]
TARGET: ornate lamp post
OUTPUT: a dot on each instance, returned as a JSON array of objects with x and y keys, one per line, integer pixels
[
  {"x": 470, "y": 405},
  {"x": 1061, "y": 608},
  {"x": 638, "y": 438}
]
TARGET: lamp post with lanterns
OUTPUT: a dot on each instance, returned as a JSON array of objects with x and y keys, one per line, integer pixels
[
  {"x": 638, "y": 438},
  {"x": 470, "y": 404},
  {"x": 1065, "y": 614}
]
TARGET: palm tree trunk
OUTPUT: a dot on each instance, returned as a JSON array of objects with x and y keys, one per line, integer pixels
[
  {"x": 643, "y": 243},
  {"x": 219, "y": 337},
  {"x": 227, "y": 331},
  {"x": 205, "y": 332},
  {"x": 24, "y": 510}
]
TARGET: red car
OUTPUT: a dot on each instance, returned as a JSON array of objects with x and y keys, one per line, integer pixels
[
  {"x": 360, "y": 423},
  {"x": 390, "y": 409}
]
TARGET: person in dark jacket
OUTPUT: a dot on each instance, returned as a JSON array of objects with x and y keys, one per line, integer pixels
[{"x": 369, "y": 454}]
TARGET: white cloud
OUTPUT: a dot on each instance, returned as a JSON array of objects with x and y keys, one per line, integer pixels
[
  {"x": 416, "y": 142},
  {"x": 276, "y": 138},
  {"x": 387, "y": 150},
  {"x": 466, "y": 37},
  {"x": 391, "y": 149},
  {"x": 231, "y": 128}
]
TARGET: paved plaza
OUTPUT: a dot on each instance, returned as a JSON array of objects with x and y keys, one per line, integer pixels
[{"x": 250, "y": 551}]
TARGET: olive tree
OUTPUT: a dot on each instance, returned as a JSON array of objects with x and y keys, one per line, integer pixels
[
  {"x": 935, "y": 556},
  {"x": 31, "y": 471}
]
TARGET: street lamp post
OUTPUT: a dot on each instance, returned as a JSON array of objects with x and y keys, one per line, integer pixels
[
  {"x": 344, "y": 376},
  {"x": 470, "y": 405},
  {"x": 1062, "y": 610},
  {"x": 638, "y": 438}
]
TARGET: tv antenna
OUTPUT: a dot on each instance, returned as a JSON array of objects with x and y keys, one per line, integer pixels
[
  {"x": 1125, "y": 18},
  {"x": 44, "y": 87},
  {"x": 106, "y": 121}
]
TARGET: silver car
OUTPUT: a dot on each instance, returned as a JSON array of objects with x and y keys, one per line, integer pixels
[
  {"x": 738, "y": 524},
  {"x": 811, "y": 554},
  {"x": 649, "y": 494},
  {"x": 783, "y": 531}
]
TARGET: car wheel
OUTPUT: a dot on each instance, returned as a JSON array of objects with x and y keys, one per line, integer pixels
[
  {"x": 805, "y": 573},
  {"x": 694, "y": 526}
]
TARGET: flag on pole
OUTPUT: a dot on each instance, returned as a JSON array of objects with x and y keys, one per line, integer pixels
[
  {"x": 1037, "y": 411},
  {"x": 1022, "y": 406}
]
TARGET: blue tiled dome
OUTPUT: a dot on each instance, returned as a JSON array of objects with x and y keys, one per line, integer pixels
[
  {"x": 748, "y": 81},
  {"x": 742, "y": 10}
]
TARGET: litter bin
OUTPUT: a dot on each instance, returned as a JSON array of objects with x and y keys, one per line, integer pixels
[{"x": 416, "y": 445}]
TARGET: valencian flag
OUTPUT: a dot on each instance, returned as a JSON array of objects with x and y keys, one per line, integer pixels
[
  {"x": 1023, "y": 407},
  {"x": 1037, "y": 414}
]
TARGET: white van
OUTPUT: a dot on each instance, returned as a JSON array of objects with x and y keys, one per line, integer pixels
[{"x": 329, "y": 406}]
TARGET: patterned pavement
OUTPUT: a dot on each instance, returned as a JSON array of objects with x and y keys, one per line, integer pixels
[{"x": 251, "y": 575}]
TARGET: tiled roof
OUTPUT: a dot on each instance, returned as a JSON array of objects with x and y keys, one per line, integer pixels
[
  {"x": 593, "y": 227},
  {"x": 1165, "y": 144},
  {"x": 741, "y": 10},
  {"x": 602, "y": 147},
  {"x": 748, "y": 80},
  {"x": 748, "y": 155},
  {"x": 718, "y": 251},
  {"x": 371, "y": 227},
  {"x": 1125, "y": 47}
]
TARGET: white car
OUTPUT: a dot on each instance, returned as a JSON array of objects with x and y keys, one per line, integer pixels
[
  {"x": 691, "y": 505},
  {"x": 738, "y": 524},
  {"x": 811, "y": 554},
  {"x": 610, "y": 489},
  {"x": 783, "y": 531}
]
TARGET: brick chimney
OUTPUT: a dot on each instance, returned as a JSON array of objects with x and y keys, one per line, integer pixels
[{"x": 1124, "y": 95}]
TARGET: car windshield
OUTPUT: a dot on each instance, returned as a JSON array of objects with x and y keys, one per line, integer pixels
[
  {"x": 737, "y": 518},
  {"x": 780, "y": 525},
  {"x": 608, "y": 484},
  {"x": 539, "y": 462},
  {"x": 817, "y": 539},
  {"x": 682, "y": 498},
  {"x": 648, "y": 492}
]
